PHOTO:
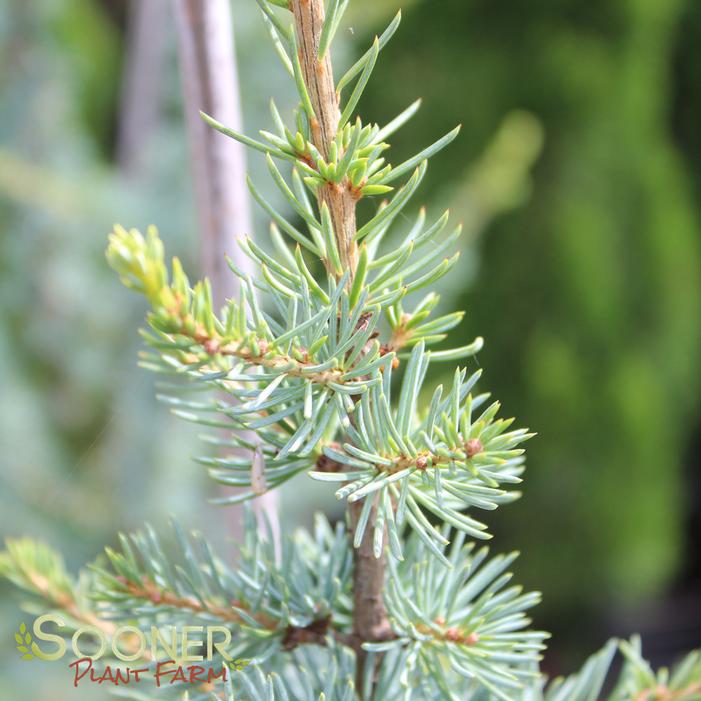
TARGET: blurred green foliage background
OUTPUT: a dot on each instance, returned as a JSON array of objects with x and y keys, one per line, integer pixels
[
  {"x": 577, "y": 174},
  {"x": 589, "y": 295}
]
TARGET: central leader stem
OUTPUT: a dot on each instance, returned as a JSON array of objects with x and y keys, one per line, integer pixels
[
  {"x": 370, "y": 622},
  {"x": 318, "y": 77}
]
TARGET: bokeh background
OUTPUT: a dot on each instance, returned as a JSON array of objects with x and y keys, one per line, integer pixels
[{"x": 578, "y": 178}]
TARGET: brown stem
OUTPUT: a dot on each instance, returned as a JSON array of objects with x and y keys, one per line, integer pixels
[
  {"x": 67, "y": 602},
  {"x": 370, "y": 622},
  {"x": 318, "y": 77},
  {"x": 662, "y": 693},
  {"x": 151, "y": 592},
  {"x": 315, "y": 633}
]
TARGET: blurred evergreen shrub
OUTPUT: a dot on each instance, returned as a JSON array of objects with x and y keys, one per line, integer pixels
[{"x": 599, "y": 275}]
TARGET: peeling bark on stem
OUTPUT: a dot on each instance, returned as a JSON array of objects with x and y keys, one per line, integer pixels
[
  {"x": 318, "y": 77},
  {"x": 370, "y": 622}
]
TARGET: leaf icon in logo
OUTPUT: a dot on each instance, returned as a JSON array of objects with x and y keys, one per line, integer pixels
[{"x": 24, "y": 641}]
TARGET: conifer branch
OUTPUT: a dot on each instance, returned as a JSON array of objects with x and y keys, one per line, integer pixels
[
  {"x": 370, "y": 621},
  {"x": 317, "y": 71},
  {"x": 404, "y": 606},
  {"x": 38, "y": 569}
]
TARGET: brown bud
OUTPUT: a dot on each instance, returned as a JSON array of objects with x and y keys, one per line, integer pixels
[
  {"x": 211, "y": 346},
  {"x": 326, "y": 464},
  {"x": 473, "y": 447},
  {"x": 421, "y": 462}
]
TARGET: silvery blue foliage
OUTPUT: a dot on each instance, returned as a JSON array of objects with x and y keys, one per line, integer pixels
[{"x": 319, "y": 367}]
